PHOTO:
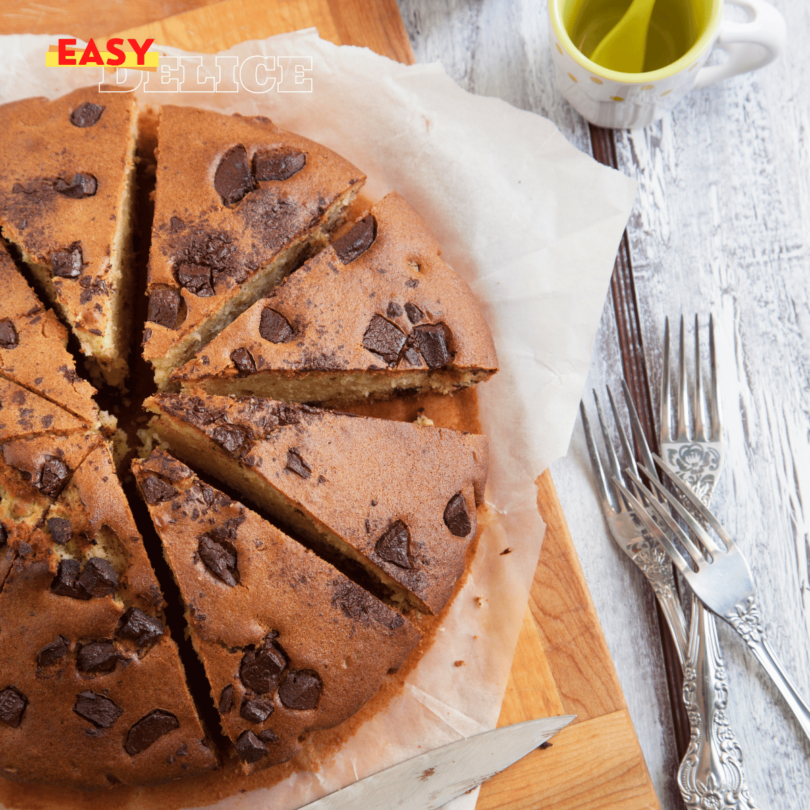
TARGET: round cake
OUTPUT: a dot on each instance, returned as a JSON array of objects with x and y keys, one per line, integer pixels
[{"x": 263, "y": 567}]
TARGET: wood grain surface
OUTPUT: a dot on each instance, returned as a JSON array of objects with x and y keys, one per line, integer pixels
[
  {"x": 721, "y": 224},
  {"x": 562, "y": 663}
]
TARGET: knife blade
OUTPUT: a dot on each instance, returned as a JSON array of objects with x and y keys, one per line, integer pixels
[{"x": 431, "y": 780}]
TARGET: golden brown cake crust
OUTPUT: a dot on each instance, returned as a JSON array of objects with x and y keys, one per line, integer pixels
[
  {"x": 403, "y": 497},
  {"x": 207, "y": 240},
  {"x": 325, "y": 624},
  {"x": 25, "y": 414},
  {"x": 71, "y": 231},
  {"x": 32, "y": 348},
  {"x": 363, "y": 316},
  {"x": 79, "y": 666}
]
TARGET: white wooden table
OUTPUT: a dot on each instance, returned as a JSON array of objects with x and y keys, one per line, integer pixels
[{"x": 722, "y": 225}]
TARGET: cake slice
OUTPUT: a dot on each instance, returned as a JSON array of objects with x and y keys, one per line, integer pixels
[
  {"x": 92, "y": 691},
  {"x": 377, "y": 313},
  {"x": 396, "y": 498},
  {"x": 238, "y": 203},
  {"x": 289, "y": 644},
  {"x": 33, "y": 351},
  {"x": 66, "y": 185}
]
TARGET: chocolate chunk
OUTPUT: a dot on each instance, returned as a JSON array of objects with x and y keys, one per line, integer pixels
[
  {"x": 301, "y": 689},
  {"x": 219, "y": 557},
  {"x": 274, "y": 326},
  {"x": 155, "y": 490},
  {"x": 53, "y": 652},
  {"x": 12, "y": 706},
  {"x": 297, "y": 465},
  {"x": 256, "y": 710},
  {"x": 262, "y": 669},
  {"x": 80, "y": 186},
  {"x": 3, "y": 535},
  {"x": 226, "y": 699},
  {"x": 411, "y": 356},
  {"x": 250, "y": 748},
  {"x": 394, "y": 545},
  {"x": 140, "y": 627},
  {"x": 67, "y": 263},
  {"x": 97, "y": 656},
  {"x": 244, "y": 362},
  {"x": 384, "y": 338},
  {"x": 87, "y": 114},
  {"x": 148, "y": 730},
  {"x": 455, "y": 516},
  {"x": 362, "y": 607},
  {"x": 196, "y": 278},
  {"x": 8, "y": 334},
  {"x": 394, "y": 310},
  {"x": 99, "y": 710},
  {"x": 66, "y": 581},
  {"x": 52, "y": 476},
  {"x": 357, "y": 241},
  {"x": 433, "y": 343},
  {"x": 60, "y": 530},
  {"x": 232, "y": 179},
  {"x": 280, "y": 164},
  {"x": 233, "y": 439},
  {"x": 269, "y": 737},
  {"x": 98, "y": 578},
  {"x": 164, "y": 308},
  {"x": 414, "y": 313}
]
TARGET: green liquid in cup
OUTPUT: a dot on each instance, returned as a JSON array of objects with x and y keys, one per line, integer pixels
[{"x": 675, "y": 26}]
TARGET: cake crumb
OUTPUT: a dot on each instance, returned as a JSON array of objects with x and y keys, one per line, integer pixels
[
  {"x": 459, "y": 663},
  {"x": 479, "y": 600},
  {"x": 423, "y": 421},
  {"x": 507, "y": 550}
]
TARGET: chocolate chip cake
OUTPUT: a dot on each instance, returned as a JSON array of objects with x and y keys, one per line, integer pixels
[
  {"x": 25, "y": 414},
  {"x": 376, "y": 313},
  {"x": 92, "y": 692},
  {"x": 66, "y": 184},
  {"x": 289, "y": 643},
  {"x": 33, "y": 348},
  {"x": 238, "y": 203},
  {"x": 396, "y": 498}
]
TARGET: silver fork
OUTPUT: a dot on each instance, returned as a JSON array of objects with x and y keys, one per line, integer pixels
[
  {"x": 711, "y": 769},
  {"x": 695, "y": 455},
  {"x": 643, "y": 550},
  {"x": 718, "y": 574}
]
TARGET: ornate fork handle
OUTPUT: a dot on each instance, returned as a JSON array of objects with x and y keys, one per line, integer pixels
[
  {"x": 746, "y": 620},
  {"x": 654, "y": 563},
  {"x": 711, "y": 773}
]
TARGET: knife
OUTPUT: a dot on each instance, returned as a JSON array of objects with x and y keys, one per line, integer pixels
[{"x": 433, "y": 779}]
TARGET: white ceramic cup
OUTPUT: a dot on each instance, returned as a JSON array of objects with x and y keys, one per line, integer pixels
[{"x": 608, "y": 98}]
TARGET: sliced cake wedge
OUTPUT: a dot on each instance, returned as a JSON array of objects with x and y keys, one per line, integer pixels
[
  {"x": 377, "y": 313},
  {"x": 396, "y": 498},
  {"x": 289, "y": 644},
  {"x": 92, "y": 691},
  {"x": 23, "y": 413},
  {"x": 66, "y": 186},
  {"x": 238, "y": 203},
  {"x": 33, "y": 348}
]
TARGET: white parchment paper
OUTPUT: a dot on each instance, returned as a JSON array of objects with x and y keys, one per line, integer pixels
[{"x": 533, "y": 226}]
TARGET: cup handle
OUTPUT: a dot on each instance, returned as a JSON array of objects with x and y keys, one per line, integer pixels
[{"x": 766, "y": 28}]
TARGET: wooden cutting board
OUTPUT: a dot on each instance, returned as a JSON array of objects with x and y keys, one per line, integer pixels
[{"x": 562, "y": 664}]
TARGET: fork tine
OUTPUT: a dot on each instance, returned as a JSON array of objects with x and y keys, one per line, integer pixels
[
  {"x": 682, "y": 435},
  {"x": 628, "y": 451},
  {"x": 716, "y": 427},
  {"x": 640, "y": 511},
  {"x": 613, "y": 459},
  {"x": 697, "y": 407},
  {"x": 702, "y": 535},
  {"x": 697, "y": 505},
  {"x": 661, "y": 511},
  {"x": 666, "y": 391},
  {"x": 598, "y": 470},
  {"x": 635, "y": 424}
]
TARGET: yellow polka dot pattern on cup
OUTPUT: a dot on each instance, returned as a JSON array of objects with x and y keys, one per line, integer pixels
[
  {"x": 573, "y": 78},
  {"x": 596, "y": 81}
]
